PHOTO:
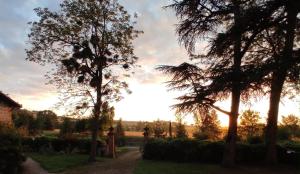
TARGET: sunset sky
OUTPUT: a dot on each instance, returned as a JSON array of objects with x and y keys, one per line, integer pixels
[{"x": 24, "y": 81}]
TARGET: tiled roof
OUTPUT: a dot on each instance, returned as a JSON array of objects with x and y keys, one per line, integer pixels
[{"x": 7, "y": 100}]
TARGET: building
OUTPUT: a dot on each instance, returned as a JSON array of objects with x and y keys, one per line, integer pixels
[{"x": 7, "y": 105}]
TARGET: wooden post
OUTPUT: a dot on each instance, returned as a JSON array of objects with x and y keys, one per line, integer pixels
[
  {"x": 146, "y": 134},
  {"x": 170, "y": 129},
  {"x": 111, "y": 143}
]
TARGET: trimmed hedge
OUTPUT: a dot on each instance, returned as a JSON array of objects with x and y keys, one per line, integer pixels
[
  {"x": 188, "y": 150},
  {"x": 11, "y": 155},
  {"x": 46, "y": 144}
]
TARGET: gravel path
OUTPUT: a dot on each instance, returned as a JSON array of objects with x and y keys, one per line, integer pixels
[
  {"x": 32, "y": 167},
  {"x": 124, "y": 164}
]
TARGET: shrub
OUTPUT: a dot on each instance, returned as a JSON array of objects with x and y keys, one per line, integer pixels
[
  {"x": 284, "y": 133},
  {"x": 255, "y": 140},
  {"x": 10, "y": 150},
  {"x": 183, "y": 150},
  {"x": 48, "y": 145},
  {"x": 67, "y": 128},
  {"x": 188, "y": 150},
  {"x": 200, "y": 135}
]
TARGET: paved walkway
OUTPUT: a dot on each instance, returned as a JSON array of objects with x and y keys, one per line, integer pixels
[
  {"x": 124, "y": 164},
  {"x": 32, "y": 167}
]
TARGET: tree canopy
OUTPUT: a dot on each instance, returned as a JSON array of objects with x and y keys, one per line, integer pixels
[{"x": 90, "y": 44}]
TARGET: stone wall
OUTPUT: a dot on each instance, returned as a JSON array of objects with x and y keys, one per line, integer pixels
[{"x": 5, "y": 114}]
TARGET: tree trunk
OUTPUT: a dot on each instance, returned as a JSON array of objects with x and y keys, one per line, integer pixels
[
  {"x": 278, "y": 78},
  {"x": 95, "y": 124},
  {"x": 271, "y": 132},
  {"x": 230, "y": 146}
]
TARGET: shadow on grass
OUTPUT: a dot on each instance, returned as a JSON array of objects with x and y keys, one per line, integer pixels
[
  {"x": 161, "y": 167},
  {"x": 54, "y": 163}
]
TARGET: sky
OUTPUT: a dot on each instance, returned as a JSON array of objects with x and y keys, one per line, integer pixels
[{"x": 24, "y": 81}]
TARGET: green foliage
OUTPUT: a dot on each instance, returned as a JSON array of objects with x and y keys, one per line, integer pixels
[
  {"x": 48, "y": 145},
  {"x": 284, "y": 133},
  {"x": 81, "y": 125},
  {"x": 292, "y": 124},
  {"x": 55, "y": 163},
  {"x": 166, "y": 167},
  {"x": 120, "y": 134},
  {"x": 96, "y": 48},
  {"x": 67, "y": 127},
  {"x": 201, "y": 135},
  {"x": 249, "y": 124},
  {"x": 45, "y": 120},
  {"x": 159, "y": 129},
  {"x": 107, "y": 117},
  {"x": 207, "y": 126},
  {"x": 11, "y": 155},
  {"x": 48, "y": 119},
  {"x": 180, "y": 131},
  {"x": 187, "y": 150},
  {"x": 255, "y": 139},
  {"x": 22, "y": 118},
  {"x": 91, "y": 45}
]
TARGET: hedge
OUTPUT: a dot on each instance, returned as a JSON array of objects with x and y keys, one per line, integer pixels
[
  {"x": 189, "y": 150},
  {"x": 11, "y": 156},
  {"x": 46, "y": 144}
]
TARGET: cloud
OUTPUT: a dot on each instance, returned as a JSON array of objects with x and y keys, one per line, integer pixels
[
  {"x": 23, "y": 80},
  {"x": 158, "y": 45}
]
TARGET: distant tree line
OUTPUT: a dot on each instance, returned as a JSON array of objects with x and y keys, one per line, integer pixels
[{"x": 33, "y": 122}]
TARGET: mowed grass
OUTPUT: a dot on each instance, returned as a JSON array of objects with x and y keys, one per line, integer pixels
[
  {"x": 54, "y": 163},
  {"x": 161, "y": 167}
]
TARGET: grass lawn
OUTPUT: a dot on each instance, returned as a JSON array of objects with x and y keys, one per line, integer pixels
[
  {"x": 160, "y": 167},
  {"x": 60, "y": 162}
]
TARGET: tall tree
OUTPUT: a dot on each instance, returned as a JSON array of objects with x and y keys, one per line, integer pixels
[
  {"x": 260, "y": 42},
  {"x": 159, "y": 129},
  {"x": 249, "y": 124},
  {"x": 180, "y": 130},
  {"x": 292, "y": 123},
  {"x": 289, "y": 11},
  {"x": 207, "y": 125},
  {"x": 49, "y": 119},
  {"x": 87, "y": 42},
  {"x": 220, "y": 73}
]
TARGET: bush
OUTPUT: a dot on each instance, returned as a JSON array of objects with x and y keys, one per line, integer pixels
[
  {"x": 48, "y": 145},
  {"x": 200, "y": 135},
  {"x": 187, "y": 150},
  {"x": 284, "y": 133},
  {"x": 183, "y": 150},
  {"x": 255, "y": 140},
  {"x": 10, "y": 150}
]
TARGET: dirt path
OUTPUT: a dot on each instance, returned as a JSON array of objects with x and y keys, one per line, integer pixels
[
  {"x": 124, "y": 164},
  {"x": 32, "y": 167}
]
